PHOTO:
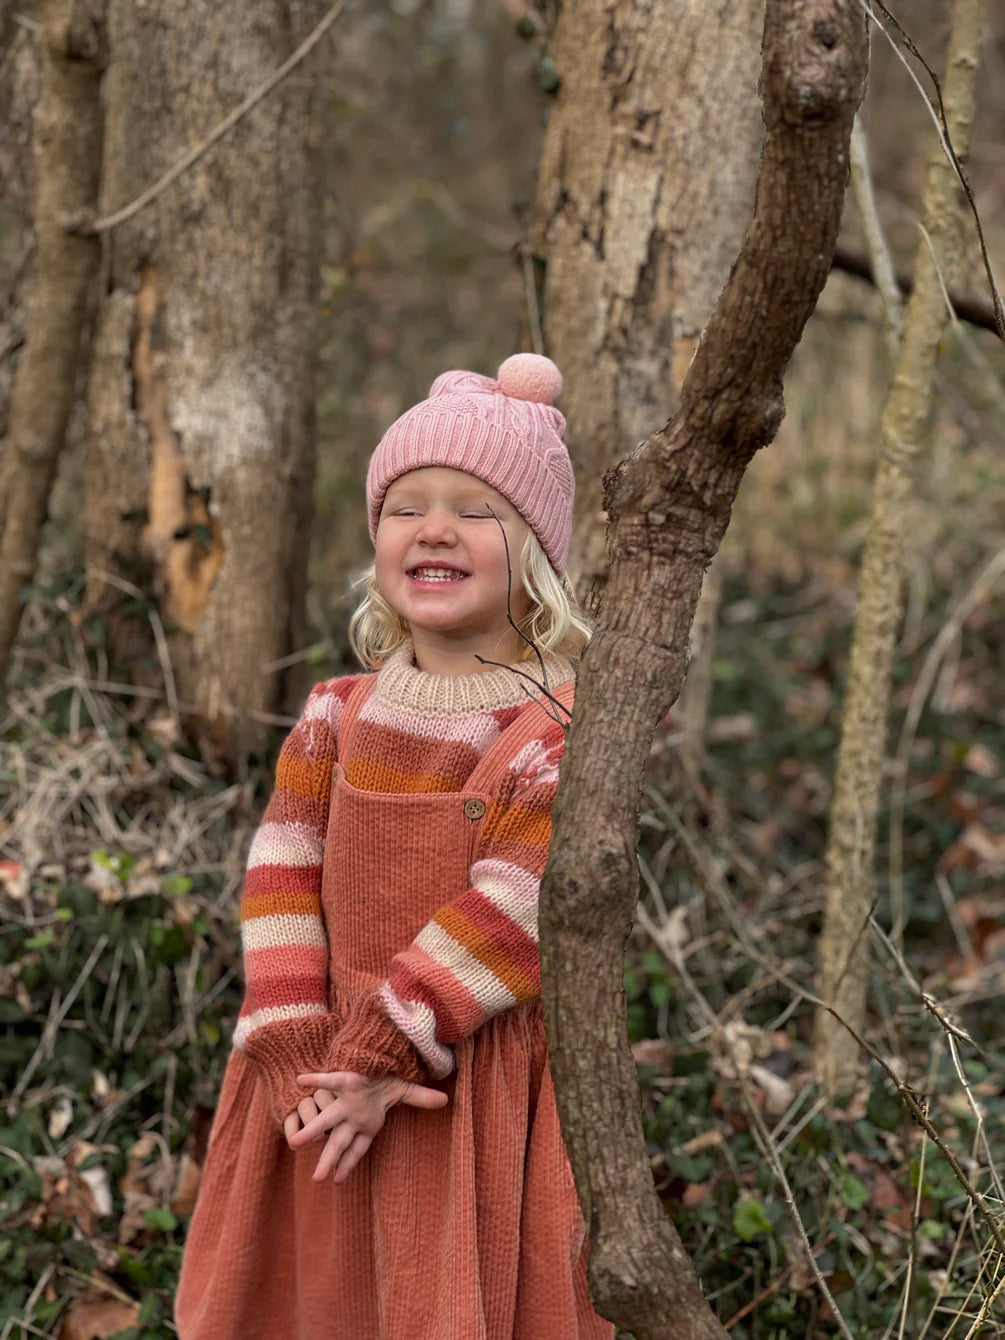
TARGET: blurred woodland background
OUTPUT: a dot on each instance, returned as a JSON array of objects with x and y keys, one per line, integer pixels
[{"x": 122, "y": 841}]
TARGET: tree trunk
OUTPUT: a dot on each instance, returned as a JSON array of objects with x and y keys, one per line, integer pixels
[
  {"x": 636, "y": 228},
  {"x": 199, "y": 464},
  {"x": 669, "y": 504},
  {"x": 67, "y": 137},
  {"x": 844, "y": 959}
]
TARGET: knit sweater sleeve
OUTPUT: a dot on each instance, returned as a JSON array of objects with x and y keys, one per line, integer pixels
[
  {"x": 285, "y": 1025},
  {"x": 478, "y": 956}
]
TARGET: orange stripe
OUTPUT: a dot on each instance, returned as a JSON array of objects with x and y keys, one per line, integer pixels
[
  {"x": 519, "y": 823},
  {"x": 296, "y": 775},
  {"x": 476, "y": 942},
  {"x": 281, "y": 903},
  {"x": 369, "y": 775}
]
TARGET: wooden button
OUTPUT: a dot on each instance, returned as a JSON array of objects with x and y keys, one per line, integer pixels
[{"x": 474, "y": 809}]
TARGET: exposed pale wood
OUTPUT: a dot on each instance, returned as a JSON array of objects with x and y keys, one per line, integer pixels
[{"x": 669, "y": 504}]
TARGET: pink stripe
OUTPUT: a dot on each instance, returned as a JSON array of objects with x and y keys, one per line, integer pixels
[{"x": 266, "y": 880}]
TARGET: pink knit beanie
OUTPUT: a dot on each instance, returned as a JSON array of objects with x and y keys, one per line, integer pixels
[{"x": 505, "y": 430}]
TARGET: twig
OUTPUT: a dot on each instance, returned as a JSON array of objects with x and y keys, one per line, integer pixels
[
  {"x": 772, "y": 1288},
  {"x": 986, "y": 1307},
  {"x": 879, "y": 252},
  {"x": 938, "y": 114},
  {"x": 160, "y": 638},
  {"x": 947, "y": 634},
  {"x": 193, "y": 155},
  {"x": 905, "y": 1093},
  {"x": 33, "y": 1298},
  {"x": 762, "y": 1134},
  {"x": 544, "y": 688},
  {"x": 51, "y": 1027}
]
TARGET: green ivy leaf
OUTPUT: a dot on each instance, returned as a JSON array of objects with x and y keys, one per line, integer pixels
[
  {"x": 750, "y": 1219},
  {"x": 160, "y": 1219},
  {"x": 854, "y": 1193}
]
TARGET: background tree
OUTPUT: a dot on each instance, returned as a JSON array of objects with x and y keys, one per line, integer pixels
[
  {"x": 68, "y": 126},
  {"x": 200, "y": 464},
  {"x": 636, "y": 236},
  {"x": 850, "y": 858},
  {"x": 669, "y": 505}
]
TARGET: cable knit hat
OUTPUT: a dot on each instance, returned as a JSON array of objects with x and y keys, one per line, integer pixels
[{"x": 505, "y": 430}]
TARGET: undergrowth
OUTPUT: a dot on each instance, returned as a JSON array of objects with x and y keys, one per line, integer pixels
[{"x": 119, "y": 983}]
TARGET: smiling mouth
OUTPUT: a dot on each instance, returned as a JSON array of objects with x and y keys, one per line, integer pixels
[{"x": 437, "y": 575}]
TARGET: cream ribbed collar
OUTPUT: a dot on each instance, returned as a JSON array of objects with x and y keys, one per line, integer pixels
[{"x": 401, "y": 684}]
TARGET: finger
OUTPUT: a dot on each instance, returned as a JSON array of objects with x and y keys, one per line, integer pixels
[
  {"x": 326, "y": 1120},
  {"x": 361, "y": 1143},
  {"x": 308, "y": 1109},
  {"x": 324, "y": 1098},
  {"x": 319, "y": 1081},
  {"x": 291, "y": 1125},
  {"x": 417, "y": 1095},
  {"x": 338, "y": 1142}
]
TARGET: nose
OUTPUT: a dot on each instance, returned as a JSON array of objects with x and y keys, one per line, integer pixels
[{"x": 437, "y": 529}]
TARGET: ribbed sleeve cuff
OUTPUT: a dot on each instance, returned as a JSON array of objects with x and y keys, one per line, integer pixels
[
  {"x": 368, "y": 1043},
  {"x": 282, "y": 1051}
]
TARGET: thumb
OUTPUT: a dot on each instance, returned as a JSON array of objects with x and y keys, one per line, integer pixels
[{"x": 416, "y": 1095}]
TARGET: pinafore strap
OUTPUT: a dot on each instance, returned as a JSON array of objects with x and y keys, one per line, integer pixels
[{"x": 528, "y": 726}]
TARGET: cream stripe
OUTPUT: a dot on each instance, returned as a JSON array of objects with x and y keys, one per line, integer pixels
[
  {"x": 491, "y": 994},
  {"x": 282, "y": 929},
  {"x": 285, "y": 844},
  {"x": 511, "y": 890}
]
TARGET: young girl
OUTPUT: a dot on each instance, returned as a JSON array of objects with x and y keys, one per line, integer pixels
[{"x": 386, "y": 1161}]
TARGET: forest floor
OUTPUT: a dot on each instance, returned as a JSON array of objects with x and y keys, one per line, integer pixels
[{"x": 119, "y": 984}]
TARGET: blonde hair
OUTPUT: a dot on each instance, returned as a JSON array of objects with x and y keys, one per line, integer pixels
[{"x": 556, "y": 621}]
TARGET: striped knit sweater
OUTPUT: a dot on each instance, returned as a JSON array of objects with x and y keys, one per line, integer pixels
[{"x": 477, "y": 956}]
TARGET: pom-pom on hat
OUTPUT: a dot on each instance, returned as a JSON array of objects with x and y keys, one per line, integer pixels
[{"x": 505, "y": 430}]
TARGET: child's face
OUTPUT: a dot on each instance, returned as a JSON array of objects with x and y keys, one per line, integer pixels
[{"x": 441, "y": 560}]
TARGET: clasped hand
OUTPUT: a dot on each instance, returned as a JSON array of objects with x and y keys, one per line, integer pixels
[{"x": 353, "y": 1108}]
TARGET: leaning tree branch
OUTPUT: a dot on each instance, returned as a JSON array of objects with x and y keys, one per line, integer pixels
[
  {"x": 974, "y": 311},
  {"x": 669, "y": 503},
  {"x": 68, "y": 129}
]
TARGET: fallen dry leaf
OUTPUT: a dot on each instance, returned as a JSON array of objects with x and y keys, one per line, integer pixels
[
  {"x": 778, "y": 1092},
  {"x": 655, "y": 1052},
  {"x": 60, "y": 1116},
  {"x": 14, "y": 880},
  {"x": 695, "y": 1194},
  {"x": 96, "y": 1316},
  {"x": 187, "y": 1188},
  {"x": 980, "y": 760}
]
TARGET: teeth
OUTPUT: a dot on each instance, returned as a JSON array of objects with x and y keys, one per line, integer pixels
[{"x": 437, "y": 574}]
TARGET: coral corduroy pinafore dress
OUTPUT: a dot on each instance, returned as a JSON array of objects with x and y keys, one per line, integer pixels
[{"x": 458, "y": 1224}]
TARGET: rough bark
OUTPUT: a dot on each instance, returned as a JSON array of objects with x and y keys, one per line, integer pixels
[
  {"x": 67, "y": 136},
  {"x": 669, "y": 503},
  {"x": 199, "y": 461},
  {"x": 636, "y": 227},
  {"x": 850, "y": 890}
]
